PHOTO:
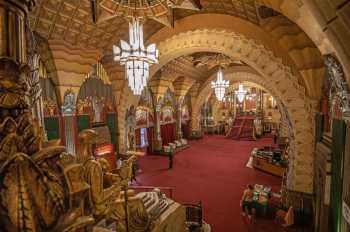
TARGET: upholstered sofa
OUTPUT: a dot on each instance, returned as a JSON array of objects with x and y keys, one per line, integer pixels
[{"x": 174, "y": 147}]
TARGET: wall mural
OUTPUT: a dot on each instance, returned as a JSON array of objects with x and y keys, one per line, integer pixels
[
  {"x": 185, "y": 113},
  {"x": 168, "y": 99},
  {"x": 141, "y": 117},
  {"x": 144, "y": 111},
  {"x": 96, "y": 106},
  {"x": 146, "y": 99},
  {"x": 50, "y": 99},
  {"x": 168, "y": 104},
  {"x": 95, "y": 99},
  {"x": 52, "y": 115},
  {"x": 167, "y": 115}
]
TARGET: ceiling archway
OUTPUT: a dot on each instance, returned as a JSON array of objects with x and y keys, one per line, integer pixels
[
  {"x": 304, "y": 63},
  {"x": 250, "y": 76},
  {"x": 278, "y": 76}
]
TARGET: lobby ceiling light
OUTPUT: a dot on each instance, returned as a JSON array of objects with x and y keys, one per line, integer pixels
[
  {"x": 240, "y": 93},
  {"x": 220, "y": 85},
  {"x": 136, "y": 58}
]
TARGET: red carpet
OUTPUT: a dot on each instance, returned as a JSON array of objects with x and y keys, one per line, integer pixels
[
  {"x": 242, "y": 128},
  {"x": 213, "y": 171}
]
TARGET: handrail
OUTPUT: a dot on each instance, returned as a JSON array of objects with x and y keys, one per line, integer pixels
[{"x": 170, "y": 189}]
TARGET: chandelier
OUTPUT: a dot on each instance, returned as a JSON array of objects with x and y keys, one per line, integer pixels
[
  {"x": 240, "y": 93},
  {"x": 136, "y": 58},
  {"x": 220, "y": 85}
]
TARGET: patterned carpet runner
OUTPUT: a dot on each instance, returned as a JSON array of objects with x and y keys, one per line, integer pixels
[{"x": 242, "y": 128}]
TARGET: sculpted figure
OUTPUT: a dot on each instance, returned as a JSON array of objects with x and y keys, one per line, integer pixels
[
  {"x": 106, "y": 197},
  {"x": 100, "y": 197},
  {"x": 32, "y": 184},
  {"x": 131, "y": 140}
]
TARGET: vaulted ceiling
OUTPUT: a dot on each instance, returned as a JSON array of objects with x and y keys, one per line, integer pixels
[
  {"x": 96, "y": 25},
  {"x": 99, "y": 26},
  {"x": 198, "y": 66}
]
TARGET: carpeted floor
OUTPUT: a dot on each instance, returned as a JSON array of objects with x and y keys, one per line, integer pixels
[{"x": 213, "y": 170}]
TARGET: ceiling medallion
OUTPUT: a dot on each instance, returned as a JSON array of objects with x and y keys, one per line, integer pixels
[
  {"x": 136, "y": 58},
  {"x": 241, "y": 92},
  {"x": 220, "y": 85}
]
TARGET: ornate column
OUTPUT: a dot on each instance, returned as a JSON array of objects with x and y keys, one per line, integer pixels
[
  {"x": 68, "y": 114},
  {"x": 178, "y": 118},
  {"x": 234, "y": 106},
  {"x": 158, "y": 142},
  {"x": 35, "y": 90},
  {"x": 262, "y": 105},
  {"x": 244, "y": 104},
  {"x": 14, "y": 68},
  {"x": 259, "y": 103},
  {"x": 13, "y": 49}
]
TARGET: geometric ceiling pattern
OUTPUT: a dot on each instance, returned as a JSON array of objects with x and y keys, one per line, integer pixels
[
  {"x": 245, "y": 9},
  {"x": 198, "y": 66},
  {"x": 72, "y": 20}
]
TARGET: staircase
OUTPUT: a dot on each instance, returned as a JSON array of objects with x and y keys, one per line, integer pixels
[{"x": 242, "y": 128}]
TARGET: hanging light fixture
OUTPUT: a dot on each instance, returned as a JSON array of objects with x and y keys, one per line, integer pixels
[
  {"x": 241, "y": 92},
  {"x": 220, "y": 85},
  {"x": 136, "y": 58}
]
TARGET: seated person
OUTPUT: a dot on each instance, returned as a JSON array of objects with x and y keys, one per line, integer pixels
[{"x": 247, "y": 201}]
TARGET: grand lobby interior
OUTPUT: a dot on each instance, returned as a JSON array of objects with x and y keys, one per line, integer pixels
[{"x": 175, "y": 115}]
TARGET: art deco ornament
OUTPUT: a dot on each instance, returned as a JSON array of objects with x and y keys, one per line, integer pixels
[
  {"x": 241, "y": 92},
  {"x": 136, "y": 58},
  {"x": 220, "y": 85}
]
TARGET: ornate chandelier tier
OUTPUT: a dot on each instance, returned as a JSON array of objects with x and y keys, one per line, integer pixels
[
  {"x": 136, "y": 58},
  {"x": 241, "y": 92},
  {"x": 220, "y": 85}
]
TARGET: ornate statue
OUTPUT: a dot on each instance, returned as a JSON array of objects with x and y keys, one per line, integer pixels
[
  {"x": 131, "y": 140},
  {"x": 100, "y": 197},
  {"x": 31, "y": 175},
  {"x": 105, "y": 195}
]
